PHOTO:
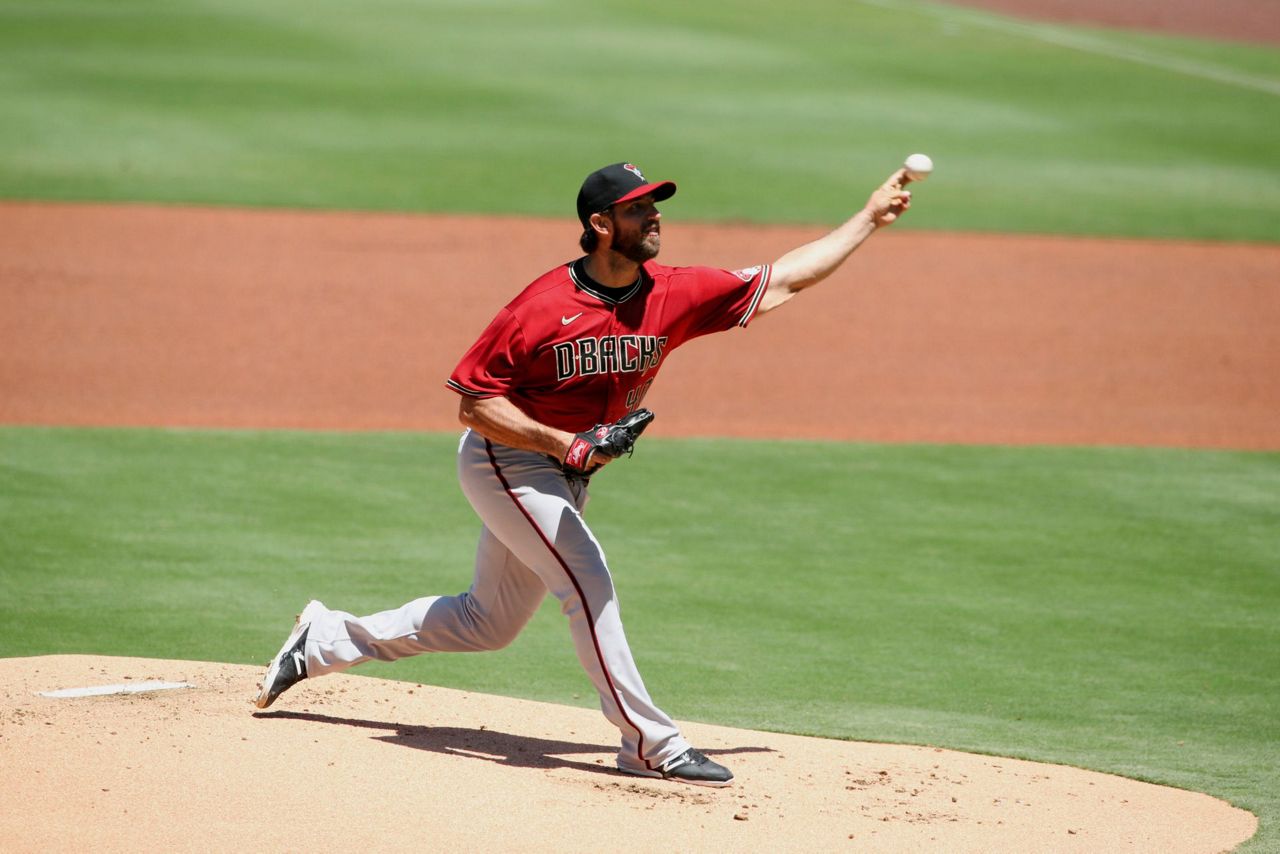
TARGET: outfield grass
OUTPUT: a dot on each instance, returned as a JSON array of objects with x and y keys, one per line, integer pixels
[
  {"x": 763, "y": 111},
  {"x": 1108, "y": 608}
]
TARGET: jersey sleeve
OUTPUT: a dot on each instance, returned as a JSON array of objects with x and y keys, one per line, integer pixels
[
  {"x": 723, "y": 299},
  {"x": 495, "y": 363}
]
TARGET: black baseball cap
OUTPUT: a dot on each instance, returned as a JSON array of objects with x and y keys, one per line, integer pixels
[{"x": 619, "y": 182}]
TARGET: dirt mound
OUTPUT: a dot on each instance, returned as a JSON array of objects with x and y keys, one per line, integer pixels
[{"x": 355, "y": 762}]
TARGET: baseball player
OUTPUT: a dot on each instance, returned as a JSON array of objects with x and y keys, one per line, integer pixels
[{"x": 550, "y": 394}]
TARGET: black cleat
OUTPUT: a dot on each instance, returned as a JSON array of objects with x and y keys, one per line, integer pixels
[
  {"x": 693, "y": 767},
  {"x": 289, "y": 667}
]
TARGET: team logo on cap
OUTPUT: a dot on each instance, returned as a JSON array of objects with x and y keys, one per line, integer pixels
[{"x": 634, "y": 170}]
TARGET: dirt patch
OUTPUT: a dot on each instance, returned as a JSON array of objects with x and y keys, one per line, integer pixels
[
  {"x": 223, "y": 318},
  {"x": 1231, "y": 20},
  {"x": 352, "y": 762}
]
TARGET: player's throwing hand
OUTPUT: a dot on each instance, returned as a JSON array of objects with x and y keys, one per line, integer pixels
[{"x": 890, "y": 200}]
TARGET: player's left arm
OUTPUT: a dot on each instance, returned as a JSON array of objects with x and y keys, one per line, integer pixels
[
  {"x": 499, "y": 419},
  {"x": 809, "y": 264}
]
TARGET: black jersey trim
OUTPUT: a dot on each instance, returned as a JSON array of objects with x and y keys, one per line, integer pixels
[
  {"x": 612, "y": 296},
  {"x": 766, "y": 272},
  {"x": 469, "y": 392}
]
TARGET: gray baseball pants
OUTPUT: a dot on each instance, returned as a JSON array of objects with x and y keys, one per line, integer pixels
[{"x": 534, "y": 540}]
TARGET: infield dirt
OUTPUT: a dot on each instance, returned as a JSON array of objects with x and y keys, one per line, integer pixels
[
  {"x": 1230, "y": 20},
  {"x": 352, "y": 763},
  {"x": 223, "y": 318}
]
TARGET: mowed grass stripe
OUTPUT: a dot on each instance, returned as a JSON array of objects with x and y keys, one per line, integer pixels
[{"x": 764, "y": 113}]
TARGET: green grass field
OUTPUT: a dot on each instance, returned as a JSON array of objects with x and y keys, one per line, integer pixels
[
  {"x": 763, "y": 111},
  {"x": 1109, "y": 608}
]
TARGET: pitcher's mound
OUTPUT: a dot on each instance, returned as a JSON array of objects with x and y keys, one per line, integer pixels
[{"x": 354, "y": 763}]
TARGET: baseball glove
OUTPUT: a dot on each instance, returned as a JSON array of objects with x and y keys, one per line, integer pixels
[{"x": 607, "y": 440}]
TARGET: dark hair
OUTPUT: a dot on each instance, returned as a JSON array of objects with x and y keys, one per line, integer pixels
[{"x": 589, "y": 240}]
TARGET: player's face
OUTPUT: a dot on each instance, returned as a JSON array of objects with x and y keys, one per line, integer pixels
[{"x": 637, "y": 228}]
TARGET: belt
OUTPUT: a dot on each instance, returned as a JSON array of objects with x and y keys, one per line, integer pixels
[{"x": 570, "y": 474}]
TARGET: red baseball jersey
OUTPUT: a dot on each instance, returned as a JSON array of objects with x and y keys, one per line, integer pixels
[{"x": 571, "y": 353}]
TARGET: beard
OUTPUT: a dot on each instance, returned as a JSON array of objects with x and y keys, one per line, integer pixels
[{"x": 638, "y": 247}]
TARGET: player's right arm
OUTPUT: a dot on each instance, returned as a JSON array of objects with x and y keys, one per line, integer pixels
[
  {"x": 809, "y": 264},
  {"x": 500, "y": 420}
]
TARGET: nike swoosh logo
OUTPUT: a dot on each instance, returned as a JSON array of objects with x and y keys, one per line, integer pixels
[{"x": 565, "y": 321}]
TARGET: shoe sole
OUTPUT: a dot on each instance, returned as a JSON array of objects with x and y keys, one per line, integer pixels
[
  {"x": 657, "y": 775},
  {"x": 300, "y": 625}
]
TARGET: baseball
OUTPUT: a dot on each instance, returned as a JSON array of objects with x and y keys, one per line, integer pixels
[{"x": 918, "y": 166}]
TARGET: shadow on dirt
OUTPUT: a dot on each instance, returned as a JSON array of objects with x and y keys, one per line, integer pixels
[{"x": 516, "y": 751}]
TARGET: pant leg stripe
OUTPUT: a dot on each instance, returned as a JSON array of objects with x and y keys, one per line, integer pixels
[{"x": 591, "y": 622}]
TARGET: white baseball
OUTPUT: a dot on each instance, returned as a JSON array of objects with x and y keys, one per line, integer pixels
[{"x": 918, "y": 166}]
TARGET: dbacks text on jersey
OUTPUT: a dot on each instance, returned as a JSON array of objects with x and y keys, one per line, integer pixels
[{"x": 611, "y": 354}]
